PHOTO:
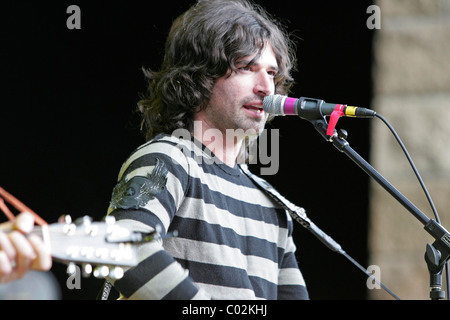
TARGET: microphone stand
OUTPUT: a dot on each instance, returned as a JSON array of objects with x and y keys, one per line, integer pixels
[{"x": 438, "y": 253}]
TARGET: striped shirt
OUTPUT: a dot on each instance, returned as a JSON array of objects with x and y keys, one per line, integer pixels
[{"x": 234, "y": 241}]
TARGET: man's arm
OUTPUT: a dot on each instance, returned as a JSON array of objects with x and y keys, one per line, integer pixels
[{"x": 151, "y": 187}]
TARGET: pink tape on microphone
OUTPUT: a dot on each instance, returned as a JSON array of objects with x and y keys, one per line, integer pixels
[
  {"x": 289, "y": 105},
  {"x": 335, "y": 115}
]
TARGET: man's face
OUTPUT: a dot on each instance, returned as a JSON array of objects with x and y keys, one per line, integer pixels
[{"x": 236, "y": 100}]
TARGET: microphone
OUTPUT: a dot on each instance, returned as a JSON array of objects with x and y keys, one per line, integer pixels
[{"x": 311, "y": 109}]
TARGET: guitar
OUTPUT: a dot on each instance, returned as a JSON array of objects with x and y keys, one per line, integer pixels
[
  {"x": 101, "y": 248},
  {"x": 105, "y": 245}
]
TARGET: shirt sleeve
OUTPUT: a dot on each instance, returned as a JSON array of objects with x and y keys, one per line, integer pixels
[
  {"x": 291, "y": 284},
  {"x": 150, "y": 189}
]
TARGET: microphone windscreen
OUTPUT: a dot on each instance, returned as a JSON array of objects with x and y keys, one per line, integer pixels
[{"x": 274, "y": 104}]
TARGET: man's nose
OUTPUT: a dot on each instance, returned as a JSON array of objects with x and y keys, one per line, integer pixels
[{"x": 264, "y": 84}]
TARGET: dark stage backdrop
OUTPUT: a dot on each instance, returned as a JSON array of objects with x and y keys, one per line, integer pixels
[{"x": 68, "y": 118}]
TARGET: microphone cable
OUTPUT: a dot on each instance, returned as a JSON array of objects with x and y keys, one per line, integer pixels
[{"x": 424, "y": 188}]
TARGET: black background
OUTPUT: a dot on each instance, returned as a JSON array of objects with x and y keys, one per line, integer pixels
[{"x": 68, "y": 121}]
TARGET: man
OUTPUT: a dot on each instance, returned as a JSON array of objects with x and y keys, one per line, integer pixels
[{"x": 234, "y": 242}]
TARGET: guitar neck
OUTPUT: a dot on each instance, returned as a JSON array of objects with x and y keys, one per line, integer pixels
[{"x": 97, "y": 243}]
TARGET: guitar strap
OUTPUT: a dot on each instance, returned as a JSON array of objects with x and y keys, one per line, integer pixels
[
  {"x": 105, "y": 291},
  {"x": 297, "y": 213}
]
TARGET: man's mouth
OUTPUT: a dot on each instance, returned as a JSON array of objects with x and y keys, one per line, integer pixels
[{"x": 254, "y": 108}]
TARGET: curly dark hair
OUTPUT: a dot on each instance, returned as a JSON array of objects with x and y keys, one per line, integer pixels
[{"x": 203, "y": 45}]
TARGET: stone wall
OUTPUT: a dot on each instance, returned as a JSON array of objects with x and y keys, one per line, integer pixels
[{"x": 412, "y": 91}]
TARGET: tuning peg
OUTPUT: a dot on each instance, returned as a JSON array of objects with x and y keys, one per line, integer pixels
[
  {"x": 84, "y": 221},
  {"x": 110, "y": 220},
  {"x": 87, "y": 270},
  {"x": 101, "y": 272},
  {"x": 89, "y": 227},
  {"x": 68, "y": 228},
  {"x": 116, "y": 273},
  {"x": 71, "y": 268},
  {"x": 65, "y": 219},
  {"x": 111, "y": 224}
]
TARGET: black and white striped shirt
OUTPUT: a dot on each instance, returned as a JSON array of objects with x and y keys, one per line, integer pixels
[{"x": 234, "y": 241}]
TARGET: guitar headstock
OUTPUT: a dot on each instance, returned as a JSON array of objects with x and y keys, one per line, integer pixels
[
  {"x": 84, "y": 242},
  {"x": 103, "y": 244}
]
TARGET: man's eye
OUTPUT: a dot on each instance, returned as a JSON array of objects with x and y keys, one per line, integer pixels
[{"x": 245, "y": 68}]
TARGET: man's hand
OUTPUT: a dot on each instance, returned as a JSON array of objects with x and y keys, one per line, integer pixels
[{"x": 20, "y": 253}]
